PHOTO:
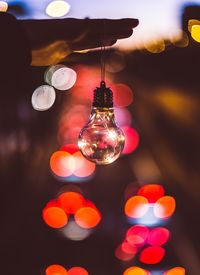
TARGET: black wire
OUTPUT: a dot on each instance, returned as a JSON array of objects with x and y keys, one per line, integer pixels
[
  {"x": 103, "y": 51},
  {"x": 103, "y": 63}
]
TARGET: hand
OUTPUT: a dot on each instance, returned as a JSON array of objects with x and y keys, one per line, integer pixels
[{"x": 53, "y": 40}]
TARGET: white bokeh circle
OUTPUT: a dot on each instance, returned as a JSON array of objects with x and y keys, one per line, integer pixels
[
  {"x": 58, "y": 8},
  {"x": 43, "y": 98},
  {"x": 3, "y": 6},
  {"x": 61, "y": 77}
]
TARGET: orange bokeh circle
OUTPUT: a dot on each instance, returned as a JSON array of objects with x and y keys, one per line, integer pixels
[
  {"x": 164, "y": 207},
  {"x": 136, "y": 207},
  {"x": 135, "y": 271},
  {"x": 77, "y": 271},
  {"x": 56, "y": 270},
  {"x": 54, "y": 217},
  {"x": 71, "y": 202},
  {"x": 87, "y": 217},
  {"x": 175, "y": 271}
]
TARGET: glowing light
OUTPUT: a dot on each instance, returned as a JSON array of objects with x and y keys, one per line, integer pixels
[
  {"x": 195, "y": 33},
  {"x": 131, "y": 140},
  {"x": 137, "y": 235},
  {"x": 158, "y": 236},
  {"x": 70, "y": 148},
  {"x": 62, "y": 164},
  {"x": 123, "y": 117},
  {"x": 101, "y": 140},
  {"x": 3, "y": 6},
  {"x": 83, "y": 167},
  {"x": 43, "y": 98},
  {"x": 58, "y": 8},
  {"x": 78, "y": 271},
  {"x": 192, "y": 22},
  {"x": 155, "y": 46},
  {"x": 74, "y": 232},
  {"x": 56, "y": 270},
  {"x": 135, "y": 271},
  {"x": 128, "y": 248},
  {"x": 136, "y": 207},
  {"x": 181, "y": 40},
  {"x": 149, "y": 218},
  {"x": 164, "y": 207},
  {"x": 54, "y": 217},
  {"x": 71, "y": 122},
  {"x": 152, "y": 255},
  {"x": 123, "y": 95},
  {"x": 80, "y": 167},
  {"x": 71, "y": 202},
  {"x": 123, "y": 255},
  {"x": 87, "y": 217},
  {"x": 61, "y": 77},
  {"x": 52, "y": 203},
  {"x": 152, "y": 192},
  {"x": 176, "y": 271}
]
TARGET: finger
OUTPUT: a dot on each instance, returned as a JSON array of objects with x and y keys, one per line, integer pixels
[
  {"x": 92, "y": 44},
  {"x": 106, "y": 26}
]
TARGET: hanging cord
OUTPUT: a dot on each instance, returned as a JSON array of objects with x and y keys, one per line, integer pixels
[
  {"x": 103, "y": 63},
  {"x": 103, "y": 53},
  {"x": 103, "y": 96}
]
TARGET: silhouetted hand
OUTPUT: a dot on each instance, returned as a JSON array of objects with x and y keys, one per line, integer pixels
[{"x": 53, "y": 40}]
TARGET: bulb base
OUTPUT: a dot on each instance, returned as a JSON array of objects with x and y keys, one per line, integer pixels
[{"x": 103, "y": 96}]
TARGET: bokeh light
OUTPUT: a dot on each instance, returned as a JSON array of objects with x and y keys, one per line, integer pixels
[
  {"x": 128, "y": 248},
  {"x": 152, "y": 192},
  {"x": 83, "y": 167},
  {"x": 122, "y": 255},
  {"x": 74, "y": 232},
  {"x": 136, "y": 207},
  {"x": 60, "y": 77},
  {"x": 155, "y": 46},
  {"x": 71, "y": 122},
  {"x": 43, "y": 98},
  {"x": 54, "y": 216},
  {"x": 149, "y": 219},
  {"x": 87, "y": 217},
  {"x": 69, "y": 162},
  {"x": 152, "y": 255},
  {"x": 58, "y": 8},
  {"x": 3, "y": 6},
  {"x": 165, "y": 207},
  {"x": 122, "y": 94},
  {"x": 176, "y": 271},
  {"x": 195, "y": 33},
  {"x": 135, "y": 271},
  {"x": 71, "y": 202},
  {"x": 131, "y": 140},
  {"x": 70, "y": 148},
  {"x": 158, "y": 236},
  {"x": 123, "y": 117},
  {"x": 192, "y": 22},
  {"x": 62, "y": 164},
  {"x": 56, "y": 270},
  {"x": 181, "y": 40},
  {"x": 78, "y": 271},
  {"x": 137, "y": 235},
  {"x": 83, "y": 88}
]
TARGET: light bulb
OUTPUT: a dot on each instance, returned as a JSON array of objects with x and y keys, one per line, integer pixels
[{"x": 101, "y": 140}]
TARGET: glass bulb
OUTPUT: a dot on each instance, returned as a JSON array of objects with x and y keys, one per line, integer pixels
[{"x": 101, "y": 140}]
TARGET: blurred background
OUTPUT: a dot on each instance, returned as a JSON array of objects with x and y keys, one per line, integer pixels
[{"x": 154, "y": 76}]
